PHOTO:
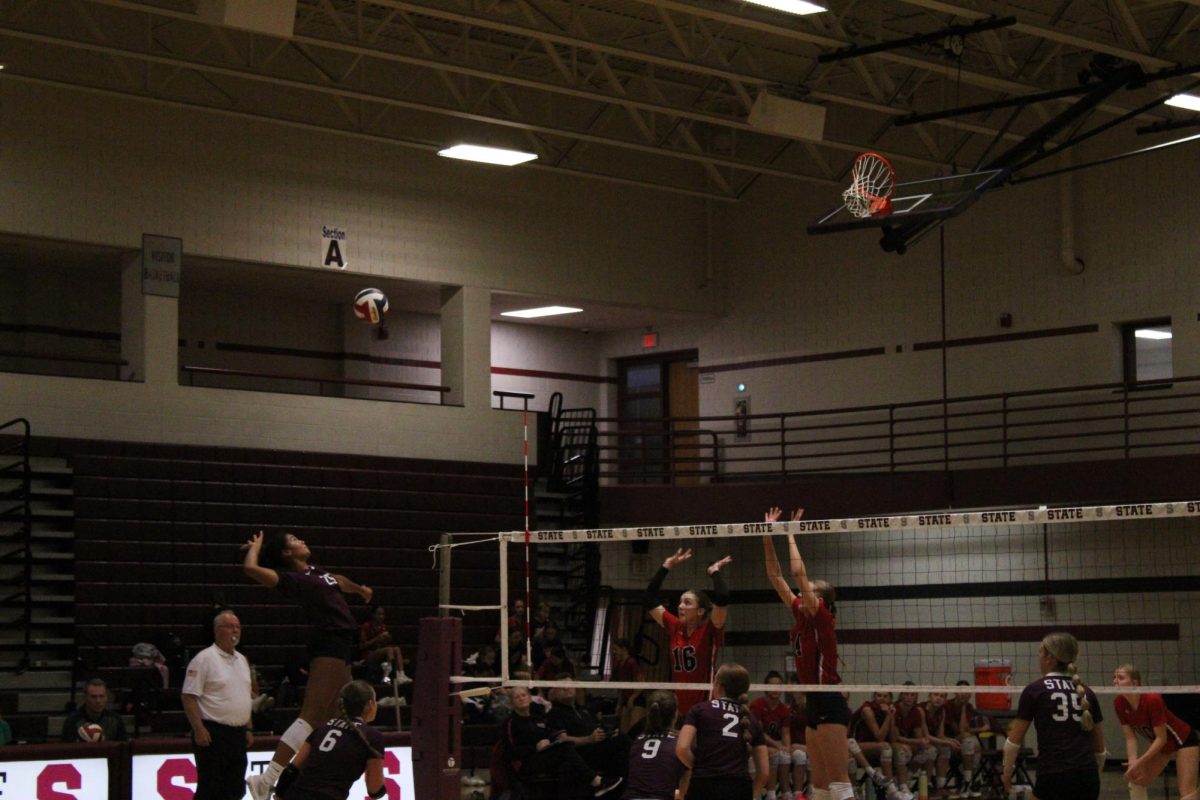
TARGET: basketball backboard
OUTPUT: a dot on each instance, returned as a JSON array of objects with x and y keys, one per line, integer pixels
[{"x": 916, "y": 201}]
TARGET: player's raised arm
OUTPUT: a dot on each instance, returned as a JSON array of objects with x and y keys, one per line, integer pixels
[
  {"x": 799, "y": 572},
  {"x": 263, "y": 575},
  {"x": 719, "y": 594},
  {"x": 771, "y": 559},
  {"x": 650, "y": 599}
]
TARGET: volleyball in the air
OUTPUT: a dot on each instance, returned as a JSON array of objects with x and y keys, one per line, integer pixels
[{"x": 370, "y": 305}]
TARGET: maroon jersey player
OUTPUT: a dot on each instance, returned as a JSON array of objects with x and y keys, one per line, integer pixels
[
  {"x": 1147, "y": 716},
  {"x": 910, "y": 736},
  {"x": 815, "y": 644},
  {"x": 337, "y": 752},
  {"x": 1064, "y": 713},
  {"x": 654, "y": 770},
  {"x": 697, "y": 633},
  {"x": 281, "y": 561},
  {"x": 717, "y": 736}
]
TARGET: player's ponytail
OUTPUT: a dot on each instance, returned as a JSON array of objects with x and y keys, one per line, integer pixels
[
  {"x": 661, "y": 707},
  {"x": 353, "y": 700},
  {"x": 1064, "y": 649}
]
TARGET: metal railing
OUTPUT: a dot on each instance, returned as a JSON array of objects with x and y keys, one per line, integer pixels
[
  {"x": 15, "y": 508},
  {"x": 1112, "y": 420}
]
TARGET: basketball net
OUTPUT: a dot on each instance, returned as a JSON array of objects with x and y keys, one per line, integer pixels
[{"x": 871, "y": 188}]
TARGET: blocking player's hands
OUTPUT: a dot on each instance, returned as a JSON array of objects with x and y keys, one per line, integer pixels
[
  {"x": 254, "y": 542},
  {"x": 797, "y": 515},
  {"x": 678, "y": 557},
  {"x": 716, "y": 565},
  {"x": 773, "y": 514}
]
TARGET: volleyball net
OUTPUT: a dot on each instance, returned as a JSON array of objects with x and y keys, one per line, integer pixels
[{"x": 923, "y": 599}]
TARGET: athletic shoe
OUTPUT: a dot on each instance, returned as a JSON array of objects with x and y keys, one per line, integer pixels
[
  {"x": 879, "y": 780},
  {"x": 606, "y": 786},
  {"x": 259, "y": 788}
]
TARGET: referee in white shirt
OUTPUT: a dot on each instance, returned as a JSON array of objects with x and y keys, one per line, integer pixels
[{"x": 216, "y": 699}]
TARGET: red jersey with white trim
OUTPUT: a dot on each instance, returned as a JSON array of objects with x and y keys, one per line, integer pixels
[
  {"x": 692, "y": 657},
  {"x": 933, "y": 717},
  {"x": 858, "y": 724},
  {"x": 815, "y": 644},
  {"x": 1150, "y": 713},
  {"x": 775, "y": 720},
  {"x": 954, "y": 710},
  {"x": 908, "y": 723}
]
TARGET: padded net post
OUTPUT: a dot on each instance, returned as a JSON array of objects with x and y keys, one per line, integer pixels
[{"x": 437, "y": 714}]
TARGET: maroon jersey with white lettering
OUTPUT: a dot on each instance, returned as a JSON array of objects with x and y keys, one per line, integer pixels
[
  {"x": 720, "y": 751},
  {"x": 654, "y": 771},
  {"x": 337, "y": 757},
  {"x": 316, "y": 591},
  {"x": 815, "y": 644},
  {"x": 1150, "y": 713},
  {"x": 692, "y": 657},
  {"x": 774, "y": 721},
  {"x": 1051, "y": 704}
]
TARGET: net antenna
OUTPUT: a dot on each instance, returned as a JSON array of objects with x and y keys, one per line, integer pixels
[{"x": 870, "y": 190}]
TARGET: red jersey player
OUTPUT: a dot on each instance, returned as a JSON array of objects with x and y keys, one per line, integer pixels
[
  {"x": 775, "y": 717},
  {"x": 697, "y": 633},
  {"x": 1147, "y": 716},
  {"x": 815, "y": 644}
]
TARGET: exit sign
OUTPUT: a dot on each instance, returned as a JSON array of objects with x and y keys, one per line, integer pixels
[{"x": 649, "y": 340}]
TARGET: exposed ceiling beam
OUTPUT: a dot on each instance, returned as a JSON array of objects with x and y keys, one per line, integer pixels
[{"x": 1049, "y": 34}]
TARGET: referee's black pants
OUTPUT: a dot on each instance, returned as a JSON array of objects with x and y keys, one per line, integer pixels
[{"x": 221, "y": 767}]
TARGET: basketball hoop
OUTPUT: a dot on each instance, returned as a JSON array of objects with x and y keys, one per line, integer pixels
[{"x": 871, "y": 189}]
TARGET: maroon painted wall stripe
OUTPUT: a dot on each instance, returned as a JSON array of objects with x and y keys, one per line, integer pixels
[
  {"x": 540, "y": 373},
  {"x": 778, "y": 362},
  {"x": 1008, "y": 337}
]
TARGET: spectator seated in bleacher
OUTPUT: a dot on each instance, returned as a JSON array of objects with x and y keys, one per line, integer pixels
[
  {"x": 534, "y": 754},
  {"x": 92, "y": 721},
  {"x": 603, "y": 747},
  {"x": 375, "y": 647}
]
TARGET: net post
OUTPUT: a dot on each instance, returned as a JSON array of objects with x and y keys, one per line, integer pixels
[
  {"x": 503, "y": 608},
  {"x": 444, "y": 577},
  {"x": 437, "y": 713}
]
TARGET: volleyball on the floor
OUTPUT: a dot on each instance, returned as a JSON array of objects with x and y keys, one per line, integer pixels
[{"x": 370, "y": 305}]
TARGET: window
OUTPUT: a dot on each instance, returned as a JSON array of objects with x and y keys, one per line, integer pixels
[{"x": 1147, "y": 351}]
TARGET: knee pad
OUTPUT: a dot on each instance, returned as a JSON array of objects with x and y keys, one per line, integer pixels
[
  {"x": 903, "y": 756},
  {"x": 970, "y": 746},
  {"x": 296, "y": 734},
  {"x": 1193, "y": 796},
  {"x": 885, "y": 755},
  {"x": 943, "y": 752},
  {"x": 799, "y": 758},
  {"x": 780, "y": 758},
  {"x": 1139, "y": 792},
  {"x": 853, "y": 746},
  {"x": 929, "y": 755},
  {"x": 841, "y": 791}
]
